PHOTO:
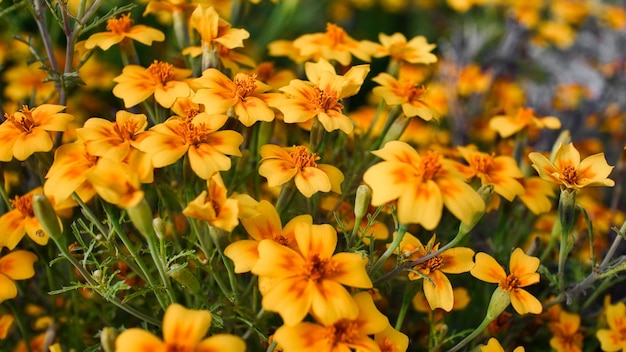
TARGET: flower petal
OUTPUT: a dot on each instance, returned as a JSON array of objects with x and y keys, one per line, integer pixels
[
  {"x": 524, "y": 302},
  {"x": 487, "y": 269},
  {"x": 185, "y": 325}
]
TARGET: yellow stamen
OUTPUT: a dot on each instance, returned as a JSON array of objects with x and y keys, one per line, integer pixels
[
  {"x": 411, "y": 91},
  {"x": 192, "y": 134},
  {"x": 24, "y": 205},
  {"x": 510, "y": 283},
  {"x": 327, "y": 101},
  {"x": 482, "y": 163},
  {"x": 569, "y": 175},
  {"x": 119, "y": 25},
  {"x": 318, "y": 268},
  {"x": 343, "y": 331},
  {"x": 23, "y": 119},
  {"x": 127, "y": 130},
  {"x": 302, "y": 158},
  {"x": 335, "y": 33},
  {"x": 430, "y": 165},
  {"x": 245, "y": 83},
  {"x": 161, "y": 71}
]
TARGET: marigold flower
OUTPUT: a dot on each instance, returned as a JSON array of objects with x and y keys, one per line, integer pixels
[
  {"x": 613, "y": 339},
  {"x": 568, "y": 171},
  {"x": 116, "y": 182},
  {"x": 565, "y": 334},
  {"x": 21, "y": 220},
  {"x": 16, "y": 265},
  {"x": 26, "y": 131},
  {"x": 6, "y": 321},
  {"x": 22, "y": 80},
  {"x": 119, "y": 29},
  {"x": 265, "y": 225},
  {"x": 160, "y": 79},
  {"x": 280, "y": 165},
  {"x": 472, "y": 80},
  {"x": 334, "y": 44},
  {"x": 406, "y": 93},
  {"x": 311, "y": 278},
  {"x": 415, "y": 51},
  {"x": 213, "y": 29},
  {"x": 198, "y": 137},
  {"x": 244, "y": 94},
  {"x": 508, "y": 125},
  {"x": 68, "y": 173},
  {"x": 437, "y": 287},
  {"x": 346, "y": 334},
  {"x": 183, "y": 330},
  {"x": 493, "y": 345},
  {"x": 422, "y": 185},
  {"x": 523, "y": 273}
]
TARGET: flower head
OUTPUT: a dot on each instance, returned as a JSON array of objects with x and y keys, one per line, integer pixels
[
  {"x": 26, "y": 131},
  {"x": 568, "y": 171},
  {"x": 310, "y": 278},
  {"x": 613, "y": 338},
  {"x": 280, "y": 165},
  {"x": 523, "y": 273},
  {"x": 214, "y": 206},
  {"x": 524, "y": 119},
  {"x": 422, "y": 185},
  {"x": 565, "y": 334},
  {"x": 404, "y": 92},
  {"x": 415, "y": 51},
  {"x": 183, "y": 330},
  {"x": 213, "y": 29},
  {"x": 121, "y": 28},
  {"x": 494, "y": 346},
  {"x": 16, "y": 265}
]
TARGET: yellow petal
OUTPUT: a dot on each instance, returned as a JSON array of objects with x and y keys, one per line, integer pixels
[
  {"x": 206, "y": 160},
  {"x": 25, "y": 145},
  {"x": 311, "y": 180},
  {"x": 138, "y": 340},
  {"x": 421, "y": 204},
  {"x": 460, "y": 198},
  {"x": 521, "y": 263},
  {"x": 291, "y": 298},
  {"x": 373, "y": 321},
  {"x": 222, "y": 343},
  {"x": 316, "y": 240},
  {"x": 457, "y": 260},
  {"x": 332, "y": 302},
  {"x": 487, "y": 269},
  {"x": 244, "y": 254},
  {"x": 438, "y": 291},
  {"x": 18, "y": 265},
  {"x": 524, "y": 302},
  {"x": 276, "y": 260},
  {"x": 8, "y": 289},
  {"x": 349, "y": 269},
  {"x": 182, "y": 325},
  {"x": 303, "y": 337},
  {"x": 11, "y": 229}
]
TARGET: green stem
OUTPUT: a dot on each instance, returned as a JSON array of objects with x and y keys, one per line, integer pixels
[
  {"x": 392, "y": 248},
  {"x": 286, "y": 195},
  {"x": 215, "y": 234},
  {"x": 160, "y": 264},
  {"x": 90, "y": 215},
  {"x": 556, "y": 230},
  {"x": 407, "y": 297}
]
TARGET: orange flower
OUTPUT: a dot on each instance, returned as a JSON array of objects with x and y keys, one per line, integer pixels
[
  {"x": 348, "y": 334},
  {"x": 406, "y": 93},
  {"x": 437, "y": 287},
  {"x": 183, "y": 330},
  {"x": 116, "y": 182},
  {"x": 523, "y": 273},
  {"x": 568, "y": 171},
  {"x": 565, "y": 334},
  {"x": 415, "y": 51},
  {"x": 472, "y": 80},
  {"x": 22, "y": 80},
  {"x": 334, "y": 44},
  {"x": 26, "y": 132},
  {"x": 265, "y": 225},
  {"x": 160, "y": 79},
  {"x": 198, "y": 137},
  {"x": 321, "y": 96},
  {"x": 120, "y": 29},
  {"x": 213, "y": 29},
  {"x": 280, "y": 165},
  {"x": 508, "y": 125},
  {"x": 244, "y": 95},
  {"x": 421, "y": 185},
  {"x": 68, "y": 173},
  {"x": 613, "y": 339},
  {"x": 494, "y": 346},
  {"x": 16, "y": 265},
  {"x": 311, "y": 278}
]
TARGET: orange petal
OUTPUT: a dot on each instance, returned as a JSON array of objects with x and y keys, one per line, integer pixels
[
  {"x": 487, "y": 269},
  {"x": 291, "y": 298},
  {"x": 185, "y": 325},
  {"x": 438, "y": 291},
  {"x": 138, "y": 340},
  {"x": 332, "y": 302},
  {"x": 18, "y": 265},
  {"x": 222, "y": 343},
  {"x": 524, "y": 302}
]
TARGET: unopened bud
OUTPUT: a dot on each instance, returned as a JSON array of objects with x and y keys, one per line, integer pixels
[
  {"x": 486, "y": 193},
  {"x": 46, "y": 216},
  {"x": 107, "y": 339},
  {"x": 141, "y": 216},
  {"x": 185, "y": 278},
  {"x": 159, "y": 228},
  {"x": 362, "y": 201},
  {"x": 567, "y": 209},
  {"x": 500, "y": 300}
]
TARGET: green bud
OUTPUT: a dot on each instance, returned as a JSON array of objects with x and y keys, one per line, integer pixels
[
  {"x": 362, "y": 201},
  {"x": 107, "y": 339},
  {"x": 486, "y": 193},
  {"x": 185, "y": 278},
  {"x": 159, "y": 227},
  {"x": 47, "y": 216},
  {"x": 567, "y": 209},
  {"x": 500, "y": 300},
  {"x": 141, "y": 216},
  {"x": 396, "y": 129}
]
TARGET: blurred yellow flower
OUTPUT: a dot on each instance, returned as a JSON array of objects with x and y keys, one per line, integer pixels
[
  {"x": 15, "y": 223},
  {"x": 565, "y": 334},
  {"x": 116, "y": 182},
  {"x": 473, "y": 80},
  {"x": 26, "y": 131},
  {"x": 160, "y": 79},
  {"x": 68, "y": 173},
  {"x": 508, "y": 125},
  {"x": 537, "y": 194},
  {"x": 310, "y": 278},
  {"x": 415, "y": 51},
  {"x": 6, "y": 321},
  {"x": 422, "y": 185},
  {"x": 494, "y": 346},
  {"x": 213, "y": 29},
  {"x": 279, "y": 165},
  {"x": 523, "y": 273},
  {"x": 555, "y": 32},
  {"x": 568, "y": 171},
  {"x": 347, "y": 334},
  {"x": 183, "y": 330},
  {"x": 411, "y": 97},
  {"x": 613, "y": 339},
  {"x": 16, "y": 265},
  {"x": 214, "y": 206},
  {"x": 391, "y": 340},
  {"x": 24, "y": 80},
  {"x": 120, "y": 29}
]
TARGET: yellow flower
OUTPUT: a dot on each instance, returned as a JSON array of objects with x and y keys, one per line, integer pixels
[
  {"x": 537, "y": 194},
  {"x": 494, "y": 346},
  {"x": 6, "y": 321},
  {"x": 415, "y": 51},
  {"x": 568, "y": 171},
  {"x": 23, "y": 80},
  {"x": 26, "y": 131},
  {"x": 508, "y": 125},
  {"x": 556, "y": 32},
  {"x": 119, "y": 29},
  {"x": 213, "y": 29},
  {"x": 311, "y": 278},
  {"x": 68, "y": 173},
  {"x": 613, "y": 339},
  {"x": 183, "y": 330},
  {"x": 280, "y": 165},
  {"x": 472, "y": 80},
  {"x": 406, "y": 93},
  {"x": 199, "y": 138},
  {"x": 160, "y": 79},
  {"x": 245, "y": 95},
  {"x": 499, "y": 171},
  {"x": 321, "y": 95},
  {"x": 565, "y": 334},
  {"x": 334, "y": 44},
  {"x": 523, "y": 273},
  {"x": 116, "y": 182},
  {"x": 437, "y": 287},
  {"x": 213, "y": 205},
  {"x": 347, "y": 334},
  {"x": 422, "y": 185},
  {"x": 16, "y": 265},
  {"x": 391, "y": 340},
  {"x": 21, "y": 220},
  {"x": 265, "y": 225}
]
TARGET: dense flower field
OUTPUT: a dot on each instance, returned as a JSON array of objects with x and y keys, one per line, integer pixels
[{"x": 346, "y": 175}]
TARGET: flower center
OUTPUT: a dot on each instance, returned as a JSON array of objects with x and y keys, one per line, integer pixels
[
  {"x": 482, "y": 163},
  {"x": 119, "y": 25},
  {"x": 175, "y": 347},
  {"x": 569, "y": 174},
  {"x": 24, "y": 205},
  {"x": 343, "y": 331},
  {"x": 326, "y": 101},
  {"x": 430, "y": 165},
  {"x": 245, "y": 83},
  {"x": 126, "y": 130},
  {"x": 386, "y": 345},
  {"x": 335, "y": 34},
  {"x": 411, "y": 91},
  {"x": 264, "y": 71},
  {"x": 23, "y": 119},
  {"x": 317, "y": 268},
  {"x": 510, "y": 283},
  {"x": 279, "y": 238},
  {"x": 302, "y": 158},
  {"x": 191, "y": 133},
  {"x": 525, "y": 115},
  {"x": 431, "y": 265},
  {"x": 161, "y": 71}
]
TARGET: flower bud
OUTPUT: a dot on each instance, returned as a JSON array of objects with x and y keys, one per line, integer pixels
[
  {"x": 486, "y": 193},
  {"x": 159, "y": 228},
  {"x": 107, "y": 339},
  {"x": 500, "y": 300},
  {"x": 185, "y": 278},
  {"x": 362, "y": 201},
  {"x": 141, "y": 216},
  {"x": 567, "y": 209},
  {"x": 47, "y": 216}
]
